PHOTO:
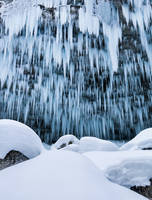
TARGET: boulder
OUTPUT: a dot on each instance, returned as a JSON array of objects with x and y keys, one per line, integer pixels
[{"x": 12, "y": 158}]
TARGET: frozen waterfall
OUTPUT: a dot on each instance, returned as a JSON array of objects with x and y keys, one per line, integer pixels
[{"x": 77, "y": 66}]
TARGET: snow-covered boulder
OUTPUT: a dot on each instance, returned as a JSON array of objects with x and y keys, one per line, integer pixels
[
  {"x": 60, "y": 175},
  {"x": 126, "y": 168},
  {"x": 142, "y": 141},
  {"x": 65, "y": 141},
  {"x": 94, "y": 144},
  {"x": 136, "y": 172},
  {"x": 18, "y": 137},
  {"x": 85, "y": 144}
]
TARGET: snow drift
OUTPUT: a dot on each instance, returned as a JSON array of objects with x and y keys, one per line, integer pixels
[
  {"x": 94, "y": 144},
  {"x": 130, "y": 173},
  {"x": 126, "y": 168},
  {"x": 142, "y": 141},
  {"x": 85, "y": 144},
  {"x": 19, "y": 137},
  {"x": 60, "y": 175}
]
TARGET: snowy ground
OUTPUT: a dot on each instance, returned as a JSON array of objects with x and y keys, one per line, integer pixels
[{"x": 73, "y": 169}]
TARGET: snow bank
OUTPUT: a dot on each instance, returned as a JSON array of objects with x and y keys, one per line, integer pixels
[
  {"x": 94, "y": 144},
  {"x": 127, "y": 168},
  {"x": 19, "y": 137},
  {"x": 85, "y": 144},
  {"x": 142, "y": 141},
  {"x": 131, "y": 173},
  {"x": 60, "y": 175}
]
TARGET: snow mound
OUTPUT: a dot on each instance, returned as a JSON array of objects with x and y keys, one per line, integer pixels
[
  {"x": 142, "y": 141},
  {"x": 94, "y": 144},
  {"x": 126, "y": 168},
  {"x": 19, "y": 137},
  {"x": 60, "y": 175},
  {"x": 65, "y": 141},
  {"x": 85, "y": 144},
  {"x": 131, "y": 173}
]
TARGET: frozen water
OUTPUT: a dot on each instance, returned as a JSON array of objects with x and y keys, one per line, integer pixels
[{"x": 80, "y": 67}]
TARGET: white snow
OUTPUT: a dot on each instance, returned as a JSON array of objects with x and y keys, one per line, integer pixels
[
  {"x": 127, "y": 168},
  {"x": 97, "y": 170},
  {"x": 141, "y": 141},
  {"x": 85, "y": 144},
  {"x": 60, "y": 175},
  {"x": 94, "y": 144},
  {"x": 129, "y": 173},
  {"x": 19, "y": 137},
  {"x": 72, "y": 147}
]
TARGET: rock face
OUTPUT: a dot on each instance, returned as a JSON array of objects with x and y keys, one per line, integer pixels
[{"x": 12, "y": 158}]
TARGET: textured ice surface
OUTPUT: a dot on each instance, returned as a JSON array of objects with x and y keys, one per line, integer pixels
[{"x": 72, "y": 69}]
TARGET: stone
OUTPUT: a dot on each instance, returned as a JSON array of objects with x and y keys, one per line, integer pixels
[
  {"x": 12, "y": 158},
  {"x": 144, "y": 190}
]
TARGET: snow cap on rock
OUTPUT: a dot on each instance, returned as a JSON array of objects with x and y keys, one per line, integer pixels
[
  {"x": 66, "y": 140},
  {"x": 94, "y": 144},
  {"x": 142, "y": 141},
  {"x": 19, "y": 137}
]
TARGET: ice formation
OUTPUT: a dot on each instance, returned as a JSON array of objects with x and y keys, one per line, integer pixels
[{"x": 80, "y": 67}]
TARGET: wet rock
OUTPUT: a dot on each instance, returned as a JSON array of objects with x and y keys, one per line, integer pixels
[
  {"x": 150, "y": 148},
  {"x": 12, "y": 158},
  {"x": 144, "y": 190},
  {"x": 5, "y": 1},
  {"x": 1, "y": 4}
]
